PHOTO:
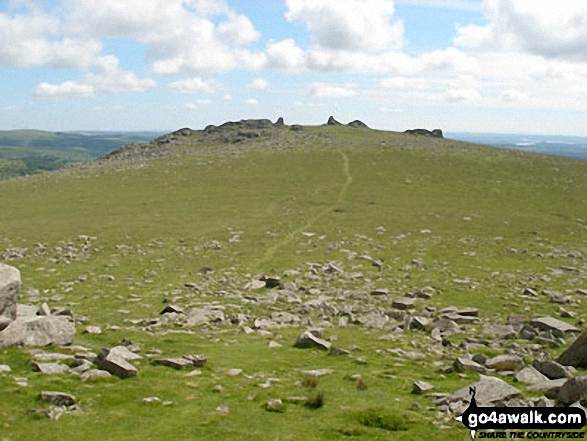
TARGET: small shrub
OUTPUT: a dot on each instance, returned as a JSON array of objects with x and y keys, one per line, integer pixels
[
  {"x": 315, "y": 401},
  {"x": 310, "y": 381},
  {"x": 383, "y": 419}
]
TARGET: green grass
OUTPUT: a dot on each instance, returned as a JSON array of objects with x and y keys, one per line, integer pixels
[{"x": 449, "y": 211}]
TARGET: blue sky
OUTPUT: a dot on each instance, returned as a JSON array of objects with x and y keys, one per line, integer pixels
[{"x": 500, "y": 66}]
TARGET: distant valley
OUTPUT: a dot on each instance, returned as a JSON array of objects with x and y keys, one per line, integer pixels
[{"x": 28, "y": 152}]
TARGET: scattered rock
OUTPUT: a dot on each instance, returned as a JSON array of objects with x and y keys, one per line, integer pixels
[
  {"x": 576, "y": 354},
  {"x": 57, "y": 398},
  {"x": 175, "y": 363},
  {"x": 552, "y": 370},
  {"x": 38, "y": 331},
  {"x": 463, "y": 364},
  {"x": 197, "y": 360},
  {"x": 420, "y": 387},
  {"x": 50, "y": 368},
  {"x": 114, "y": 363},
  {"x": 530, "y": 375},
  {"x": 274, "y": 405},
  {"x": 552, "y": 324},
  {"x": 573, "y": 390},
  {"x": 311, "y": 339},
  {"x": 4, "y": 368},
  {"x": 172, "y": 309},
  {"x": 9, "y": 294},
  {"x": 490, "y": 391},
  {"x": 505, "y": 363},
  {"x": 403, "y": 303}
]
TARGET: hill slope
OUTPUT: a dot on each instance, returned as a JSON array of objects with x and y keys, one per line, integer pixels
[{"x": 351, "y": 219}]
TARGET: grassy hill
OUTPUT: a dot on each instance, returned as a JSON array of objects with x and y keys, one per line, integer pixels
[
  {"x": 27, "y": 152},
  {"x": 190, "y": 219}
]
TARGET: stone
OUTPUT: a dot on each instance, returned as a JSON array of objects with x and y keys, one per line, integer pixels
[
  {"x": 92, "y": 330},
  {"x": 463, "y": 364},
  {"x": 44, "y": 310},
  {"x": 338, "y": 351},
  {"x": 420, "y": 387},
  {"x": 57, "y": 398},
  {"x": 576, "y": 354},
  {"x": 38, "y": 331},
  {"x": 115, "y": 364},
  {"x": 94, "y": 373},
  {"x": 280, "y": 122},
  {"x": 274, "y": 405},
  {"x": 550, "y": 388},
  {"x": 9, "y": 294},
  {"x": 255, "y": 284},
  {"x": 504, "y": 332},
  {"x": 175, "y": 363},
  {"x": 574, "y": 389},
  {"x": 552, "y": 369},
  {"x": 172, "y": 309},
  {"x": 197, "y": 360},
  {"x": 552, "y": 324},
  {"x": 122, "y": 352},
  {"x": 273, "y": 345},
  {"x": 530, "y": 375},
  {"x": 436, "y": 133},
  {"x": 50, "y": 368},
  {"x": 204, "y": 316},
  {"x": 4, "y": 368},
  {"x": 317, "y": 372},
  {"x": 403, "y": 303},
  {"x": 505, "y": 363},
  {"x": 151, "y": 400},
  {"x": 418, "y": 322},
  {"x": 309, "y": 339},
  {"x": 445, "y": 328},
  {"x": 490, "y": 391}
]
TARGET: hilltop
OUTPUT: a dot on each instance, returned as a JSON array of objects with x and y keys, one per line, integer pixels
[{"x": 415, "y": 261}]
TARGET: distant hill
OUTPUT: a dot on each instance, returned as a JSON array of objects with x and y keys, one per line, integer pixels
[
  {"x": 571, "y": 146},
  {"x": 27, "y": 152}
]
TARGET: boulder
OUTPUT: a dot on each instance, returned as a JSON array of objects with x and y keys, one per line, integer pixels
[
  {"x": 279, "y": 122},
  {"x": 197, "y": 360},
  {"x": 420, "y": 387},
  {"x": 50, "y": 368},
  {"x": 466, "y": 364},
  {"x": 573, "y": 390},
  {"x": 576, "y": 354},
  {"x": 552, "y": 369},
  {"x": 505, "y": 363},
  {"x": 57, "y": 398},
  {"x": 550, "y": 388},
  {"x": 530, "y": 375},
  {"x": 38, "y": 331},
  {"x": 9, "y": 293},
  {"x": 311, "y": 339},
  {"x": 403, "y": 303},
  {"x": 117, "y": 366},
  {"x": 490, "y": 391}
]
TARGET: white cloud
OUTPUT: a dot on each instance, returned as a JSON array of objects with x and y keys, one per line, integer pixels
[
  {"x": 65, "y": 89},
  {"x": 405, "y": 83},
  {"x": 197, "y": 104},
  {"x": 227, "y": 96},
  {"x": 193, "y": 85},
  {"x": 350, "y": 25},
  {"x": 106, "y": 78},
  {"x": 285, "y": 55},
  {"x": 540, "y": 27},
  {"x": 465, "y": 5},
  {"x": 514, "y": 96},
  {"x": 33, "y": 39},
  {"x": 179, "y": 35},
  {"x": 461, "y": 95},
  {"x": 12, "y": 108},
  {"x": 259, "y": 84},
  {"x": 325, "y": 90},
  {"x": 252, "y": 101}
]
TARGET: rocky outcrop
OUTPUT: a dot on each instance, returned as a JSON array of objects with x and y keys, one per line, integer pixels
[
  {"x": 436, "y": 133},
  {"x": 358, "y": 124},
  {"x": 279, "y": 122},
  {"x": 9, "y": 293},
  {"x": 332, "y": 122}
]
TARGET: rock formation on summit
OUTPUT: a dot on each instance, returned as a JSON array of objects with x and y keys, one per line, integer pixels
[{"x": 436, "y": 133}]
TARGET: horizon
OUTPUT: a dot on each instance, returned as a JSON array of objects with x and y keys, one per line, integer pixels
[{"x": 501, "y": 67}]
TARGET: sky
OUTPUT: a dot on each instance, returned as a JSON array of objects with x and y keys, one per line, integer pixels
[{"x": 493, "y": 66}]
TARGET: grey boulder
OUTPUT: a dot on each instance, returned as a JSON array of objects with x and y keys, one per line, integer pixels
[
  {"x": 9, "y": 293},
  {"x": 38, "y": 331}
]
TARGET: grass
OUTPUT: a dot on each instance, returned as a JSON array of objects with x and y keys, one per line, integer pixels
[{"x": 437, "y": 213}]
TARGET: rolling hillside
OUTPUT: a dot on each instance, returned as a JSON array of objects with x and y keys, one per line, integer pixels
[{"x": 354, "y": 231}]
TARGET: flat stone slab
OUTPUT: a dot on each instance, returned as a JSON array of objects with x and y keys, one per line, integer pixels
[
  {"x": 529, "y": 375},
  {"x": 552, "y": 324},
  {"x": 175, "y": 363},
  {"x": 309, "y": 340},
  {"x": 50, "y": 368},
  {"x": 117, "y": 366}
]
